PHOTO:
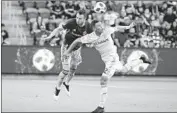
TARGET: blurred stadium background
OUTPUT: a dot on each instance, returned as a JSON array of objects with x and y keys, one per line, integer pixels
[
  {"x": 28, "y": 21},
  {"x": 23, "y": 25}
]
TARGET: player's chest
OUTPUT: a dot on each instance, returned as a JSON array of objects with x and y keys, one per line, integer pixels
[
  {"x": 79, "y": 30},
  {"x": 102, "y": 41}
]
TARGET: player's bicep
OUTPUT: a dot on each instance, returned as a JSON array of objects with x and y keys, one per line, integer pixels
[
  {"x": 111, "y": 30},
  {"x": 86, "y": 39},
  {"x": 78, "y": 41},
  {"x": 68, "y": 24}
]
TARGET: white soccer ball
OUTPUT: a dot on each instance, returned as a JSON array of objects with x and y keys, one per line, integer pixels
[
  {"x": 100, "y": 7},
  {"x": 43, "y": 60}
]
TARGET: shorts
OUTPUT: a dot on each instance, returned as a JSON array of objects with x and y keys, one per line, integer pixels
[
  {"x": 112, "y": 64},
  {"x": 72, "y": 60}
]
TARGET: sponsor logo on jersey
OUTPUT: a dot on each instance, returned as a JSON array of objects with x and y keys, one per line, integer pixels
[{"x": 100, "y": 42}]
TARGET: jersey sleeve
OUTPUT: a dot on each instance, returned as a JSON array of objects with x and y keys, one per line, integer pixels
[
  {"x": 89, "y": 38},
  {"x": 69, "y": 24},
  {"x": 111, "y": 30}
]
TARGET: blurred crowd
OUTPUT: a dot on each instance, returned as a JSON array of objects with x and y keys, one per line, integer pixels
[
  {"x": 156, "y": 25},
  {"x": 156, "y": 21},
  {"x": 4, "y": 35}
]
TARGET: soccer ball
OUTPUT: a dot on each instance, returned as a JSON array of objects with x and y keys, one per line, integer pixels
[
  {"x": 43, "y": 60},
  {"x": 100, "y": 7}
]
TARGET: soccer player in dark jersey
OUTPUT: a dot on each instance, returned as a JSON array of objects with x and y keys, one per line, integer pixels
[{"x": 74, "y": 28}]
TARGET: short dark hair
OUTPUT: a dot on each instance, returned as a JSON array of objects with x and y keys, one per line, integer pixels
[
  {"x": 2, "y": 25},
  {"x": 94, "y": 23},
  {"x": 82, "y": 12}
]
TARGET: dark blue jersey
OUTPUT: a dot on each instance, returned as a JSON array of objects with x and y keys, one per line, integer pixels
[{"x": 75, "y": 31}]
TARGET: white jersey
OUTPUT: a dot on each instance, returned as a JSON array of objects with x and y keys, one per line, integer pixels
[{"x": 104, "y": 43}]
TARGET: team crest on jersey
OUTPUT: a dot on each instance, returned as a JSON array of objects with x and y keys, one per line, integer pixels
[
  {"x": 74, "y": 30},
  {"x": 84, "y": 33},
  {"x": 129, "y": 55}
]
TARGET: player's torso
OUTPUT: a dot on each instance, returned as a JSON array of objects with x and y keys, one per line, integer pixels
[
  {"x": 105, "y": 45},
  {"x": 76, "y": 31}
]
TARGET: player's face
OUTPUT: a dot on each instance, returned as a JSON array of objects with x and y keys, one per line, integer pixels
[
  {"x": 99, "y": 27},
  {"x": 80, "y": 19}
]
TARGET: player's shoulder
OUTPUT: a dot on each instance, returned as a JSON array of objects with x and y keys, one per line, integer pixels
[
  {"x": 109, "y": 29},
  {"x": 69, "y": 24},
  {"x": 71, "y": 21}
]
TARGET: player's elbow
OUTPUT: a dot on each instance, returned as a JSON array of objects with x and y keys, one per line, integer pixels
[{"x": 78, "y": 41}]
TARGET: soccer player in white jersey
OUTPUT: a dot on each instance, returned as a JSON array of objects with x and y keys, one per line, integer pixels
[{"x": 102, "y": 41}]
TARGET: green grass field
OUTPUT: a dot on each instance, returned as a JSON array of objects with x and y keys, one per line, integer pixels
[{"x": 125, "y": 94}]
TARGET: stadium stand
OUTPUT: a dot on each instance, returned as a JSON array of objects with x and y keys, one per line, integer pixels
[
  {"x": 157, "y": 18},
  {"x": 15, "y": 24}
]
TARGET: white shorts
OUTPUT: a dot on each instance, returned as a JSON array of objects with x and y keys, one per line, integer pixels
[
  {"x": 72, "y": 60},
  {"x": 112, "y": 64}
]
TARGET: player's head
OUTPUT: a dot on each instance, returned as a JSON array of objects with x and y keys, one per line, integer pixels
[
  {"x": 97, "y": 26},
  {"x": 81, "y": 17}
]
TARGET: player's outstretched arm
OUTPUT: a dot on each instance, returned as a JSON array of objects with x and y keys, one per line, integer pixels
[
  {"x": 117, "y": 28},
  {"x": 89, "y": 38},
  {"x": 73, "y": 45},
  {"x": 54, "y": 32}
]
